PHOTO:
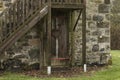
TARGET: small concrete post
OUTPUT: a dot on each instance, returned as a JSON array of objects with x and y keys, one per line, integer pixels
[
  {"x": 49, "y": 70},
  {"x": 85, "y": 67}
]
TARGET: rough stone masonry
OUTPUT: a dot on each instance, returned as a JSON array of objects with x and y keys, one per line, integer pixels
[{"x": 97, "y": 35}]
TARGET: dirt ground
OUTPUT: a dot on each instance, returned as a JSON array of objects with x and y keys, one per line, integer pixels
[{"x": 64, "y": 72}]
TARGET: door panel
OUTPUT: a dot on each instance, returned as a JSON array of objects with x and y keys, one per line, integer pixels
[{"x": 59, "y": 38}]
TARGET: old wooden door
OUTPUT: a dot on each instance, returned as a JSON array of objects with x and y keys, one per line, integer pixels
[{"x": 59, "y": 39}]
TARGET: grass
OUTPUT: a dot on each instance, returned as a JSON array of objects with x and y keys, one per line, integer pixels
[{"x": 112, "y": 73}]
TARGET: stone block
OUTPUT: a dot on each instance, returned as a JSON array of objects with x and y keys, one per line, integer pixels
[
  {"x": 95, "y": 33},
  {"x": 107, "y": 16},
  {"x": 95, "y": 48},
  {"x": 103, "y": 8},
  {"x": 98, "y": 18},
  {"x": 34, "y": 42},
  {"x": 94, "y": 39},
  {"x": 88, "y": 17},
  {"x": 92, "y": 25},
  {"x": 103, "y": 39},
  {"x": 107, "y": 1},
  {"x": 34, "y": 54},
  {"x": 107, "y": 32},
  {"x": 103, "y": 59},
  {"x": 78, "y": 57},
  {"x": 88, "y": 39},
  {"x": 103, "y": 24}
]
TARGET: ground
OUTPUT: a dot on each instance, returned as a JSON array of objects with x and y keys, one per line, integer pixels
[{"x": 111, "y": 72}]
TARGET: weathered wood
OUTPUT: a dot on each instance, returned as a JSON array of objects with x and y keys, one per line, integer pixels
[
  {"x": 77, "y": 20},
  {"x": 45, "y": 41},
  {"x": 5, "y": 26},
  {"x": 49, "y": 35},
  {"x": 41, "y": 49},
  {"x": 24, "y": 14},
  {"x": 71, "y": 45},
  {"x": 67, "y": 6},
  {"x": 43, "y": 57},
  {"x": 23, "y": 29},
  {"x": 60, "y": 38},
  {"x": 84, "y": 35},
  {"x": 1, "y": 29},
  {"x": 23, "y": 9},
  {"x": 14, "y": 17}
]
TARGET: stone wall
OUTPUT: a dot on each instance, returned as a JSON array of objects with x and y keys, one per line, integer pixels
[
  {"x": 98, "y": 37},
  {"x": 26, "y": 51},
  {"x": 97, "y": 33}
]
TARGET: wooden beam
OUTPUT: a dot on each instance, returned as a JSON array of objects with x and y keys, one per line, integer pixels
[
  {"x": 41, "y": 44},
  {"x": 71, "y": 22},
  {"x": 49, "y": 35},
  {"x": 84, "y": 35},
  {"x": 68, "y": 6},
  {"x": 77, "y": 20}
]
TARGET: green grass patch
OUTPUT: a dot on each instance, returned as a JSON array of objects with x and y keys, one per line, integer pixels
[{"x": 111, "y": 73}]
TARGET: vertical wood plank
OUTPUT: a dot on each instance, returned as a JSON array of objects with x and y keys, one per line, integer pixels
[
  {"x": 1, "y": 24},
  {"x": 23, "y": 9},
  {"x": 17, "y": 13},
  {"x": 2, "y": 27},
  {"x": 40, "y": 3},
  {"x": 71, "y": 46},
  {"x": 84, "y": 34},
  {"x": 5, "y": 25},
  {"x": 42, "y": 24},
  {"x": 41, "y": 51},
  {"x": 49, "y": 35},
  {"x": 20, "y": 12},
  {"x": 27, "y": 8},
  {"x": 14, "y": 16},
  {"x": 10, "y": 20}
]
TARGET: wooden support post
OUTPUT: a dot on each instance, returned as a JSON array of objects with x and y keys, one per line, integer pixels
[
  {"x": 84, "y": 34},
  {"x": 41, "y": 46},
  {"x": 71, "y": 46},
  {"x": 42, "y": 43},
  {"x": 49, "y": 36}
]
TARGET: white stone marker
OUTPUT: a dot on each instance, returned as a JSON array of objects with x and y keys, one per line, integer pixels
[
  {"x": 85, "y": 68},
  {"x": 49, "y": 70}
]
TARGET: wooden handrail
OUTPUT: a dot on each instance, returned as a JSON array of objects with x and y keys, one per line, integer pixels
[
  {"x": 16, "y": 14},
  {"x": 21, "y": 10}
]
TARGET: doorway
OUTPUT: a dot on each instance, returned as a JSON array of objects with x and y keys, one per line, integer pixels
[{"x": 60, "y": 39}]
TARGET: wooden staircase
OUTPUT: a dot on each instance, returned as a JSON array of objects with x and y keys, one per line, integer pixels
[
  {"x": 18, "y": 19},
  {"x": 23, "y": 15}
]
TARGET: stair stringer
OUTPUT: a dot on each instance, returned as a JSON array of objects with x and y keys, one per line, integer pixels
[{"x": 23, "y": 29}]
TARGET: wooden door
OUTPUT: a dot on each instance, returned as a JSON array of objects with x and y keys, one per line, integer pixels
[{"x": 59, "y": 38}]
